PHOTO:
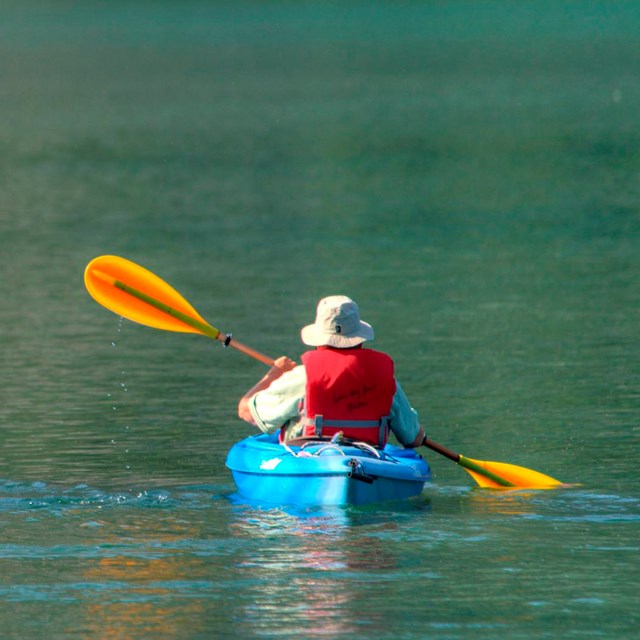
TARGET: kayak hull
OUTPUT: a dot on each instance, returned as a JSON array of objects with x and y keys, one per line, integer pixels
[{"x": 322, "y": 473}]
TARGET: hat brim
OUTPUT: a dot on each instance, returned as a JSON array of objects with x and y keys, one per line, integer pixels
[{"x": 314, "y": 337}]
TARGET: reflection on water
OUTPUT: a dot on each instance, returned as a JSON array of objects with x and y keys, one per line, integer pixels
[
  {"x": 308, "y": 567},
  {"x": 154, "y": 561},
  {"x": 142, "y": 589},
  {"x": 571, "y": 505},
  {"x": 164, "y": 560}
]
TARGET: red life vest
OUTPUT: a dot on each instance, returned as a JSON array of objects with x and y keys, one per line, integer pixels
[{"x": 348, "y": 390}]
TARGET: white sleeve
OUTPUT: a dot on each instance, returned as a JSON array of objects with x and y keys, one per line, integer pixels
[{"x": 280, "y": 402}]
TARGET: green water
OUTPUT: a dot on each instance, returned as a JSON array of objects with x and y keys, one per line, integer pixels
[{"x": 468, "y": 171}]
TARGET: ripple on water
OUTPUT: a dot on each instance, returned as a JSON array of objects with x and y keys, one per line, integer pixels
[{"x": 17, "y": 497}]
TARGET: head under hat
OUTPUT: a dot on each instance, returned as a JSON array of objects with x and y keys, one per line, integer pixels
[{"x": 337, "y": 325}]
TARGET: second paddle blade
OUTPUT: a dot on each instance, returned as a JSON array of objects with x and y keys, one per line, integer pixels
[{"x": 519, "y": 477}]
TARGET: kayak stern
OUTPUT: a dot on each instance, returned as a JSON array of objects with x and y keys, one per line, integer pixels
[{"x": 324, "y": 473}]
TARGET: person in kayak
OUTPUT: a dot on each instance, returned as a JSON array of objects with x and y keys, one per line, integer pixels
[{"x": 340, "y": 387}]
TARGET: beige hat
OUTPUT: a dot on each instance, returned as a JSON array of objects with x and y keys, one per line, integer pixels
[{"x": 337, "y": 325}]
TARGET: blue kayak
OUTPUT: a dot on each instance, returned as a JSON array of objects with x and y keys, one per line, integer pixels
[{"x": 324, "y": 473}]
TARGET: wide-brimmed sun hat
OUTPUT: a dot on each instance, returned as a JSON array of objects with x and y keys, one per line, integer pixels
[{"x": 337, "y": 325}]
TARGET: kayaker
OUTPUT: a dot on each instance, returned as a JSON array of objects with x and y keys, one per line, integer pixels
[{"x": 340, "y": 387}]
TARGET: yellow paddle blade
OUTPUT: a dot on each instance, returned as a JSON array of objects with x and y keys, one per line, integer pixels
[
  {"x": 135, "y": 293},
  {"x": 517, "y": 477}
]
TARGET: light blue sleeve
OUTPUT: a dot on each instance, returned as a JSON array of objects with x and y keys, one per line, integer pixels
[{"x": 405, "y": 422}]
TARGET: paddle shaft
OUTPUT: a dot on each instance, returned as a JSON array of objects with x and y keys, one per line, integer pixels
[
  {"x": 465, "y": 462},
  {"x": 202, "y": 327}
]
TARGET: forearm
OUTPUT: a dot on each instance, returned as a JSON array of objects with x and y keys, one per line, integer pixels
[
  {"x": 243, "y": 406},
  {"x": 280, "y": 366}
]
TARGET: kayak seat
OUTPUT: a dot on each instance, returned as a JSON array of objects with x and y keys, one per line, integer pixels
[
  {"x": 337, "y": 440},
  {"x": 303, "y": 441}
]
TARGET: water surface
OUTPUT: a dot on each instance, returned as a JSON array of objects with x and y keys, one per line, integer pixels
[{"x": 467, "y": 171}]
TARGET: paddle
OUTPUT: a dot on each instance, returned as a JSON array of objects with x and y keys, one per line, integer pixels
[{"x": 135, "y": 293}]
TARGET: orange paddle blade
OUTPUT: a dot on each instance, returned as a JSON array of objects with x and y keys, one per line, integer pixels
[
  {"x": 496, "y": 475},
  {"x": 517, "y": 477},
  {"x": 107, "y": 279}
]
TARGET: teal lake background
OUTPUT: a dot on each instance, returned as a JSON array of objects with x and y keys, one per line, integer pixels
[{"x": 469, "y": 172}]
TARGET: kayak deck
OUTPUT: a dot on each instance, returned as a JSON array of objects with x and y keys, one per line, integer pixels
[{"x": 324, "y": 473}]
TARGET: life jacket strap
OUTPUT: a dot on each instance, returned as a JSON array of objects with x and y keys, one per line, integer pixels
[{"x": 318, "y": 422}]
